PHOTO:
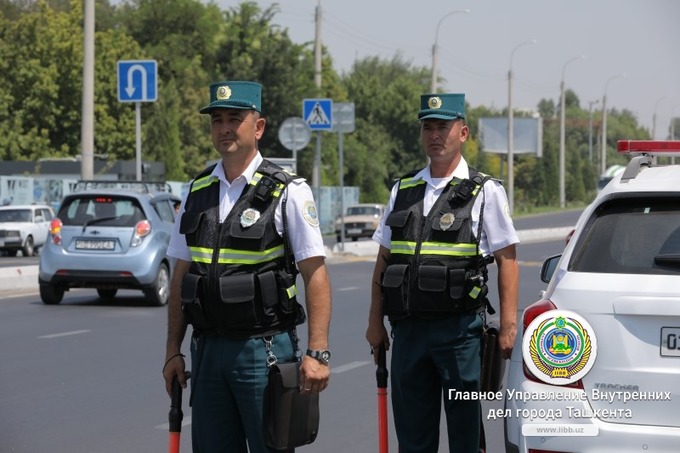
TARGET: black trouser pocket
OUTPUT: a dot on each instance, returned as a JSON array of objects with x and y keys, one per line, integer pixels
[
  {"x": 239, "y": 308},
  {"x": 395, "y": 290}
]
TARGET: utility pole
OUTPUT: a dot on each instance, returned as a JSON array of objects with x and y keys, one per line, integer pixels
[
  {"x": 590, "y": 128},
  {"x": 316, "y": 175},
  {"x": 87, "y": 124}
]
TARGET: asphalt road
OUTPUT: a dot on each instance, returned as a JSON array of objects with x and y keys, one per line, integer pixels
[{"x": 85, "y": 376}]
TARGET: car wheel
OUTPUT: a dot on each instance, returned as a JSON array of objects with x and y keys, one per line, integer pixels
[
  {"x": 28, "y": 248},
  {"x": 355, "y": 238},
  {"x": 51, "y": 294},
  {"x": 107, "y": 293},
  {"x": 12, "y": 252},
  {"x": 159, "y": 293}
]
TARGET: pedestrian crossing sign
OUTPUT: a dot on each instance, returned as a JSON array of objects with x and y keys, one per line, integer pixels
[{"x": 318, "y": 114}]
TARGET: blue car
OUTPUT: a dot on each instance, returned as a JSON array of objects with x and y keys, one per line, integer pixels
[{"x": 110, "y": 235}]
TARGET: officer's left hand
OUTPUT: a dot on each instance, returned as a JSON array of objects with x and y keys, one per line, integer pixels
[
  {"x": 314, "y": 375},
  {"x": 506, "y": 340}
]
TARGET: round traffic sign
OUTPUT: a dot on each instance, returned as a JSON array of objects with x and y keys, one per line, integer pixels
[{"x": 294, "y": 133}]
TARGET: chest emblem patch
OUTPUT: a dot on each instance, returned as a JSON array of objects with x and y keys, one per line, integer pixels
[
  {"x": 249, "y": 217},
  {"x": 446, "y": 221}
]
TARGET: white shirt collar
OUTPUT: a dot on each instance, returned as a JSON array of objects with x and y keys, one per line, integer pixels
[
  {"x": 461, "y": 171},
  {"x": 247, "y": 174}
]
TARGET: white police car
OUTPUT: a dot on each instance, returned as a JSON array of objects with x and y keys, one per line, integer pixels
[{"x": 597, "y": 366}]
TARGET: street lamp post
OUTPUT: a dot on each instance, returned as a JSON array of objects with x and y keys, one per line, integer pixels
[
  {"x": 673, "y": 121},
  {"x": 603, "y": 157},
  {"x": 656, "y": 105},
  {"x": 562, "y": 134},
  {"x": 673, "y": 128},
  {"x": 433, "y": 81},
  {"x": 590, "y": 128},
  {"x": 511, "y": 157}
]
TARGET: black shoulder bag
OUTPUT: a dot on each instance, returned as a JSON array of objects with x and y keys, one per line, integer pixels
[{"x": 291, "y": 418}]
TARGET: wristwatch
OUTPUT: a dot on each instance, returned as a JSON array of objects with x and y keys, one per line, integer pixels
[{"x": 322, "y": 356}]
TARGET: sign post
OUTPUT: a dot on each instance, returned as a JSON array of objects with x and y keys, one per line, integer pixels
[
  {"x": 343, "y": 115},
  {"x": 138, "y": 82},
  {"x": 294, "y": 135},
  {"x": 318, "y": 114}
]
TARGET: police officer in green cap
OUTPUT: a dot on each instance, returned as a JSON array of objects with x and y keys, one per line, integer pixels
[
  {"x": 443, "y": 225},
  {"x": 245, "y": 229}
]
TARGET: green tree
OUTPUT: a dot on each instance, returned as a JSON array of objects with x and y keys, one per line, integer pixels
[
  {"x": 40, "y": 83},
  {"x": 386, "y": 95}
]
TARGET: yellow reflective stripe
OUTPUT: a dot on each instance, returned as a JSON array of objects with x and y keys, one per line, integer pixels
[
  {"x": 403, "y": 247},
  {"x": 410, "y": 182},
  {"x": 234, "y": 256},
  {"x": 201, "y": 254},
  {"x": 292, "y": 291},
  {"x": 204, "y": 182},
  {"x": 275, "y": 193},
  {"x": 455, "y": 181},
  {"x": 446, "y": 248},
  {"x": 475, "y": 292}
]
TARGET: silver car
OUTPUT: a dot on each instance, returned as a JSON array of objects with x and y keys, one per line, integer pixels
[{"x": 110, "y": 236}]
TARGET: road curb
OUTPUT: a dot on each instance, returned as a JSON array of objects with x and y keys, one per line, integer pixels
[
  {"x": 25, "y": 278},
  {"x": 18, "y": 278}
]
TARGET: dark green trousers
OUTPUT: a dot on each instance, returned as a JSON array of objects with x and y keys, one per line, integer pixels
[
  {"x": 229, "y": 379},
  {"x": 429, "y": 358}
]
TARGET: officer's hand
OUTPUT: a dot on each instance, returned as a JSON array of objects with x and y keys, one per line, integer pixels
[
  {"x": 506, "y": 340},
  {"x": 377, "y": 337},
  {"x": 174, "y": 367},
  {"x": 314, "y": 375}
]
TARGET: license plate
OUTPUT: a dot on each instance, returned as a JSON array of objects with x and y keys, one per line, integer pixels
[
  {"x": 95, "y": 245},
  {"x": 354, "y": 231},
  {"x": 670, "y": 341}
]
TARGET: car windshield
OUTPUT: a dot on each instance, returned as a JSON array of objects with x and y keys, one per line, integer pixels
[
  {"x": 631, "y": 237},
  {"x": 101, "y": 211},
  {"x": 15, "y": 215},
  {"x": 363, "y": 210}
]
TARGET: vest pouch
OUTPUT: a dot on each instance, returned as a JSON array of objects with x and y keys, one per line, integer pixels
[
  {"x": 192, "y": 290},
  {"x": 189, "y": 222},
  {"x": 253, "y": 232},
  {"x": 269, "y": 295},
  {"x": 395, "y": 291},
  {"x": 239, "y": 309},
  {"x": 287, "y": 292},
  {"x": 397, "y": 219},
  {"x": 432, "y": 296},
  {"x": 475, "y": 294}
]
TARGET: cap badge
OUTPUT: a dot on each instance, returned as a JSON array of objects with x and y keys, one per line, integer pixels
[
  {"x": 446, "y": 221},
  {"x": 223, "y": 92},
  {"x": 434, "y": 102},
  {"x": 249, "y": 217}
]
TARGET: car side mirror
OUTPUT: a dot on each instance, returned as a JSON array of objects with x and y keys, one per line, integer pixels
[{"x": 548, "y": 268}]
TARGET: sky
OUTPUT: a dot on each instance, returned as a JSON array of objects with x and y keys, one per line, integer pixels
[{"x": 630, "y": 48}]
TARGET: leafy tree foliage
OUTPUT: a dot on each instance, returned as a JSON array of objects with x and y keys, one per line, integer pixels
[{"x": 197, "y": 43}]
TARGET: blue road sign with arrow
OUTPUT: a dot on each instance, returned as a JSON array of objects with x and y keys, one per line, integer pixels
[
  {"x": 318, "y": 114},
  {"x": 137, "y": 81}
]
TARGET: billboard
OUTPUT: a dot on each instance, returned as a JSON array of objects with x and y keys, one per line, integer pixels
[{"x": 527, "y": 135}]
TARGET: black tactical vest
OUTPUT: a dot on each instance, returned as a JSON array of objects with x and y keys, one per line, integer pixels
[
  {"x": 435, "y": 268},
  {"x": 241, "y": 282}
]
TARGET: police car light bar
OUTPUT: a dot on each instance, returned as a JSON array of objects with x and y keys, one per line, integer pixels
[{"x": 654, "y": 147}]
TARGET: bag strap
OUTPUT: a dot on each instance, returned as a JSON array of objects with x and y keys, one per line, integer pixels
[{"x": 271, "y": 357}]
